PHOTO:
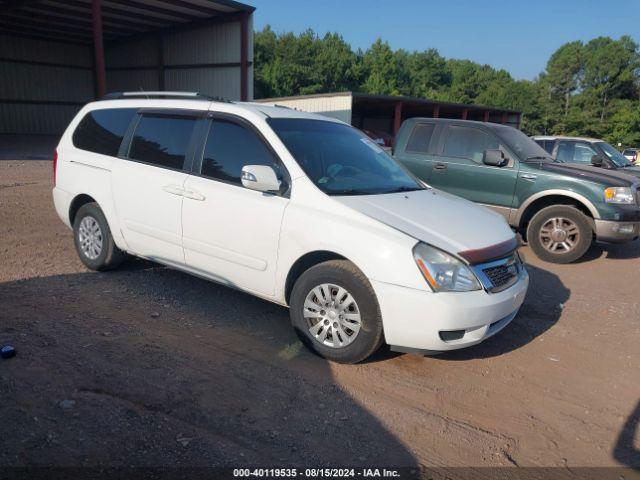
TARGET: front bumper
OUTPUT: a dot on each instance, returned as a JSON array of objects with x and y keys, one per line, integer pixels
[
  {"x": 616, "y": 232},
  {"x": 413, "y": 320}
]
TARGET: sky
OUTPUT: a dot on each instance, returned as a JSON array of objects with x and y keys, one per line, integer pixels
[{"x": 515, "y": 35}]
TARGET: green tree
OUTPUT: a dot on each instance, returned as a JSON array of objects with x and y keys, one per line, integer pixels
[
  {"x": 610, "y": 70},
  {"x": 563, "y": 73},
  {"x": 381, "y": 70}
]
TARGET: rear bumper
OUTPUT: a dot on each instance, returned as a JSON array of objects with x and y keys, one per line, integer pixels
[
  {"x": 62, "y": 203},
  {"x": 414, "y": 320},
  {"x": 616, "y": 232}
]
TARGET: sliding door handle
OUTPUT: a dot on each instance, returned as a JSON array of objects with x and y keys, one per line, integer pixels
[
  {"x": 173, "y": 189},
  {"x": 193, "y": 195}
]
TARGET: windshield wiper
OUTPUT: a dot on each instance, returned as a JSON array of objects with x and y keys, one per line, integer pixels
[
  {"x": 405, "y": 189},
  {"x": 351, "y": 191},
  {"x": 538, "y": 157}
]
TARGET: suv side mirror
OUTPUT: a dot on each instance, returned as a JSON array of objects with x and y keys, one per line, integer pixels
[
  {"x": 260, "y": 178},
  {"x": 597, "y": 161},
  {"x": 494, "y": 158}
]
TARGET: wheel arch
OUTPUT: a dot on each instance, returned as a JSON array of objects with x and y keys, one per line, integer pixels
[
  {"x": 304, "y": 263},
  {"x": 77, "y": 203},
  {"x": 537, "y": 202}
]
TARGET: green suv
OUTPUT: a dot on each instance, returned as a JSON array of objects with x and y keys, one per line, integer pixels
[{"x": 558, "y": 208}]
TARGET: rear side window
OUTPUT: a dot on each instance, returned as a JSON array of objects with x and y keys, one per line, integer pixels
[
  {"x": 420, "y": 138},
  {"x": 162, "y": 140},
  {"x": 230, "y": 147},
  {"x": 469, "y": 143},
  {"x": 102, "y": 131}
]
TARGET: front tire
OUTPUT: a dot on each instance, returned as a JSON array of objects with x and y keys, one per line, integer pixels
[
  {"x": 93, "y": 239},
  {"x": 335, "y": 312},
  {"x": 559, "y": 234}
]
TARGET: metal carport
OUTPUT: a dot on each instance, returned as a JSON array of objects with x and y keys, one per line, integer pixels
[{"x": 56, "y": 55}]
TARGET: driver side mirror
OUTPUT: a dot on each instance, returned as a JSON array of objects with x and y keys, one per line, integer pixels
[
  {"x": 494, "y": 158},
  {"x": 597, "y": 161},
  {"x": 260, "y": 178}
]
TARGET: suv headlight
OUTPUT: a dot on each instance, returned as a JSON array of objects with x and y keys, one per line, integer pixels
[
  {"x": 622, "y": 195},
  {"x": 444, "y": 272}
]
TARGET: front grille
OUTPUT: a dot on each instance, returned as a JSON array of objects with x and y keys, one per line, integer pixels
[{"x": 501, "y": 275}]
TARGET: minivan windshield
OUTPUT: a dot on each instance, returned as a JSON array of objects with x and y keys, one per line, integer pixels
[
  {"x": 341, "y": 160},
  {"x": 521, "y": 145},
  {"x": 614, "y": 155}
]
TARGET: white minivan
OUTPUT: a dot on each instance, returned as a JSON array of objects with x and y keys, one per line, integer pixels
[{"x": 296, "y": 208}]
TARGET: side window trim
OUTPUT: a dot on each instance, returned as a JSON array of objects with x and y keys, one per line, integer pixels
[
  {"x": 189, "y": 158},
  {"x": 199, "y": 149}
]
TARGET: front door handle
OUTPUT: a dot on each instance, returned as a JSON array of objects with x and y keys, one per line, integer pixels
[
  {"x": 442, "y": 167},
  {"x": 193, "y": 195},
  {"x": 174, "y": 189}
]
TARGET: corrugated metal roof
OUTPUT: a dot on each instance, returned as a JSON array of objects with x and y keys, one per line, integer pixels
[{"x": 71, "y": 20}]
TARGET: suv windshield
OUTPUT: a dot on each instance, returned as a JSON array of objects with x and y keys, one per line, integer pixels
[
  {"x": 521, "y": 145},
  {"x": 614, "y": 155},
  {"x": 341, "y": 160}
]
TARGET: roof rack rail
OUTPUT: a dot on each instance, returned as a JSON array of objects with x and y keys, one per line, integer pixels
[{"x": 161, "y": 95}]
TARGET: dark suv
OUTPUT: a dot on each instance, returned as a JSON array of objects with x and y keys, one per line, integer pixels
[{"x": 558, "y": 208}]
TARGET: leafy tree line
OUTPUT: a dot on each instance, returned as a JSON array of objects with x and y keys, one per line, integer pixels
[{"x": 588, "y": 89}]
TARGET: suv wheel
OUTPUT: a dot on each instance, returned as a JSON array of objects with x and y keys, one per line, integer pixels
[
  {"x": 93, "y": 240},
  {"x": 335, "y": 312},
  {"x": 559, "y": 234}
]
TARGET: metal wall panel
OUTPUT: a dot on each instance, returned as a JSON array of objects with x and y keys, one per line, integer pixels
[
  {"x": 32, "y": 83},
  {"x": 38, "y": 82},
  {"x": 40, "y": 119},
  {"x": 142, "y": 51},
  {"x": 338, "y": 106},
  {"x": 45, "y": 51},
  {"x": 218, "y": 82},
  {"x": 218, "y": 43},
  {"x": 132, "y": 80}
]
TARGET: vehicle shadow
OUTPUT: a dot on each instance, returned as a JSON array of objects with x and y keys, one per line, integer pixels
[
  {"x": 623, "y": 251},
  {"x": 541, "y": 310},
  {"x": 149, "y": 367},
  {"x": 625, "y": 451}
]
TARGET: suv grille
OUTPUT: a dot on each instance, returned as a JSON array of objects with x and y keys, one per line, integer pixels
[{"x": 501, "y": 275}]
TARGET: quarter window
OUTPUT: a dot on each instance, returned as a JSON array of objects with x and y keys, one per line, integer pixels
[
  {"x": 420, "y": 138},
  {"x": 469, "y": 143},
  {"x": 162, "y": 140},
  {"x": 102, "y": 131},
  {"x": 230, "y": 147}
]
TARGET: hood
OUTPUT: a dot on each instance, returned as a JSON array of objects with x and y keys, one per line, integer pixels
[
  {"x": 610, "y": 178},
  {"x": 435, "y": 217},
  {"x": 635, "y": 171}
]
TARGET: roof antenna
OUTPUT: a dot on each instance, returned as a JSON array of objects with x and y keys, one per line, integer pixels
[{"x": 142, "y": 90}]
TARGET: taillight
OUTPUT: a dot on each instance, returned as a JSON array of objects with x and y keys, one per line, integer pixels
[{"x": 55, "y": 166}]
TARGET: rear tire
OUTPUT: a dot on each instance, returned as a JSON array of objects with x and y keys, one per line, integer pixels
[
  {"x": 335, "y": 312},
  {"x": 559, "y": 234},
  {"x": 93, "y": 240}
]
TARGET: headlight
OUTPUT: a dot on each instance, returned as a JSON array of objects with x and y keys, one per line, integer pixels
[
  {"x": 442, "y": 271},
  {"x": 619, "y": 195}
]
